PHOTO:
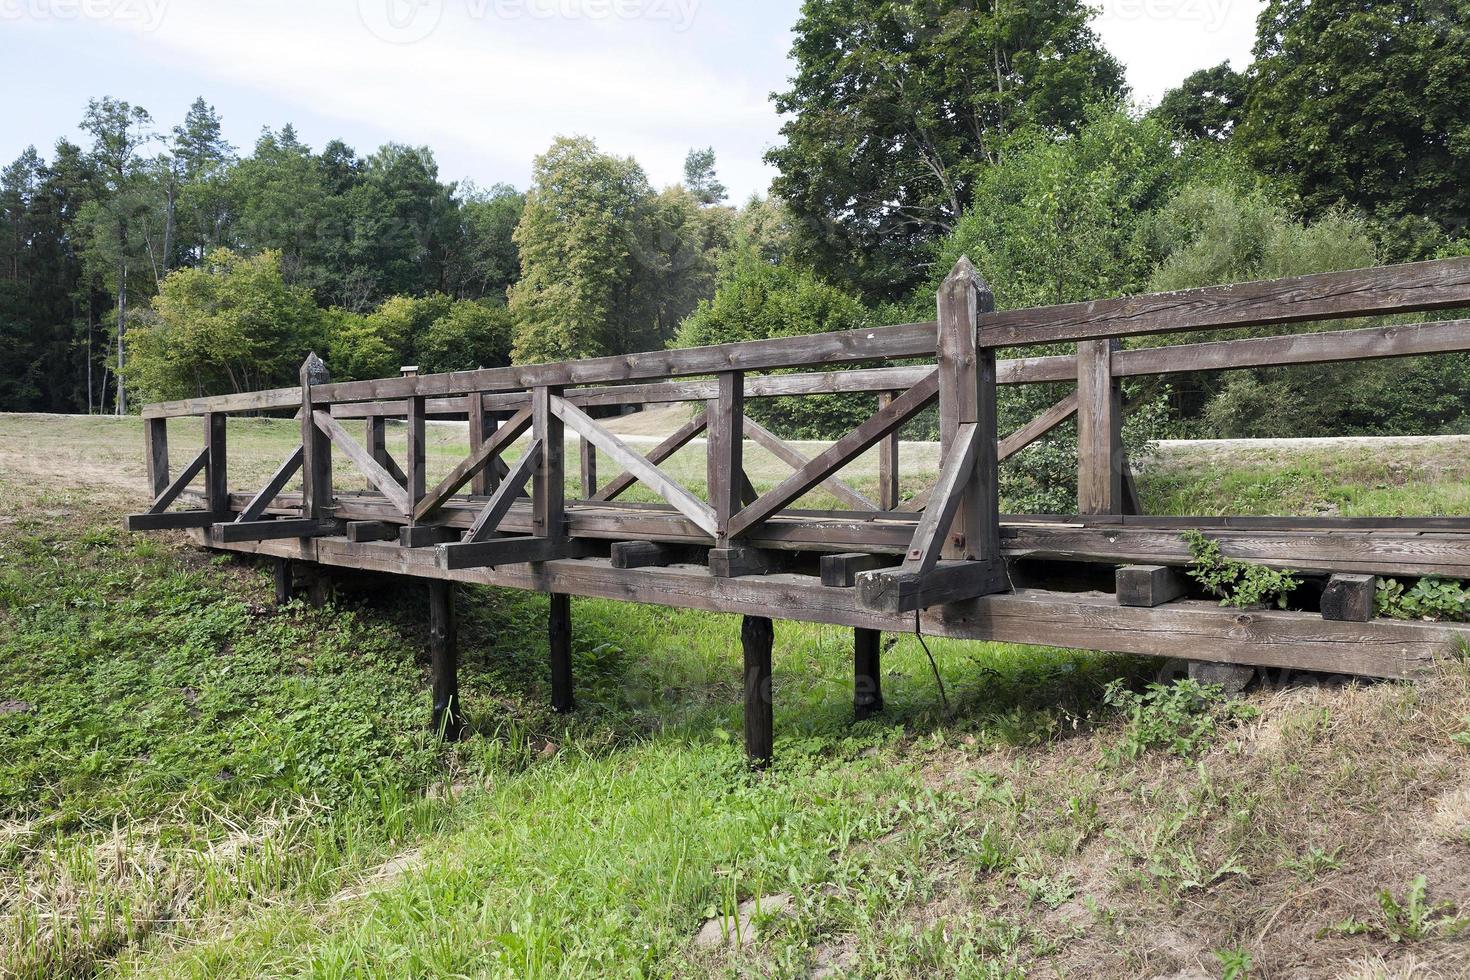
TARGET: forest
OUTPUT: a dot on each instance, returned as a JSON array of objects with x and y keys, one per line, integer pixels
[{"x": 151, "y": 261}]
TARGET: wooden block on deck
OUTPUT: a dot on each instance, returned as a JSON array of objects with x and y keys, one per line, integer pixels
[
  {"x": 841, "y": 571},
  {"x": 507, "y": 551},
  {"x": 898, "y": 591},
  {"x": 1150, "y": 585},
  {"x": 427, "y": 535},
  {"x": 361, "y": 531},
  {"x": 298, "y": 527},
  {"x": 170, "y": 520},
  {"x": 1349, "y": 598},
  {"x": 645, "y": 554},
  {"x": 738, "y": 561}
]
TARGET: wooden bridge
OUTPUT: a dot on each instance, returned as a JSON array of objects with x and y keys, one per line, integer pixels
[{"x": 944, "y": 561}]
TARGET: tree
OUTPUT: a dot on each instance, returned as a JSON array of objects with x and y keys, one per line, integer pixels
[
  {"x": 898, "y": 106},
  {"x": 201, "y": 160},
  {"x": 378, "y": 344},
  {"x": 1206, "y": 105},
  {"x": 1364, "y": 103},
  {"x": 489, "y": 259},
  {"x": 700, "y": 178},
  {"x": 232, "y": 324},
  {"x": 470, "y": 335},
  {"x": 578, "y": 238}
]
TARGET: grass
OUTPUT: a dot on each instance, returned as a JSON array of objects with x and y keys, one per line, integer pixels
[{"x": 193, "y": 782}]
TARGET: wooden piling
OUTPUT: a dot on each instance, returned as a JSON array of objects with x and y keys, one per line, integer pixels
[
  {"x": 444, "y": 660},
  {"x": 757, "y": 634},
  {"x": 867, "y": 688},
  {"x": 559, "y": 627}
]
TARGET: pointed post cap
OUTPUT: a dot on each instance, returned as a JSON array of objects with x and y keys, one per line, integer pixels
[
  {"x": 314, "y": 371},
  {"x": 964, "y": 274}
]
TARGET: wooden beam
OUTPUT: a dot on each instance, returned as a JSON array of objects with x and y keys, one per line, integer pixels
[
  {"x": 1149, "y": 585},
  {"x": 186, "y": 476},
  {"x": 887, "y": 461},
  {"x": 757, "y": 636},
  {"x": 485, "y": 478},
  {"x": 1037, "y": 427},
  {"x": 676, "y": 441},
  {"x": 932, "y": 531},
  {"x": 170, "y": 520},
  {"x": 155, "y": 447},
  {"x": 588, "y": 453},
  {"x": 548, "y": 493},
  {"x": 505, "y": 551},
  {"x": 650, "y": 475},
  {"x": 363, "y": 460},
  {"x": 316, "y": 445},
  {"x": 646, "y": 554},
  {"x": 487, "y": 522},
  {"x": 840, "y": 571},
  {"x": 559, "y": 645},
  {"x": 216, "y": 466},
  {"x": 416, "y": 456},
  {"x": 305, "y": 527},
  {"x": 967, "y": 395},
  {"x": 1099, "y": 430},
  {"x": 839, "y": 454},
  {"x": 867, "y": 675},
  {"x": 447, "y": 719},
  {"x": 901, "y": 590},
  {"x": 794, "y": 458},
  {"x": 474, "y": 464},
  {"x": 283, "y": 574},
  {"x": 1349, "y": 598},
  {"x": 724, "y": 457},
  {"x": 737, "y": 560},
  {"x": 358, "y": 531},
  {"x": 427, "y": 535},
  {"x": 256, "y": 508}
]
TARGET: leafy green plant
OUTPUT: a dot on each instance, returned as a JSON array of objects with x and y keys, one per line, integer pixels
[
  {"x": 1180, "y": 717},
  {"x": 1237, "y": 583},
  {"x": 1313, "y": 863},
  {"x": 1429, "y": 598},
  {"x": 1235, "y": 964},
  {"x": 1410, "y": 919}
]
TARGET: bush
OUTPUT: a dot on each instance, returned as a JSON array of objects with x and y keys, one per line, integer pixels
[{"x": 471, "y": 335}]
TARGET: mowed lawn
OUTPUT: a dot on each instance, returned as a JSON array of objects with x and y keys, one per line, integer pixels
[{"x": 193, "y": 782}]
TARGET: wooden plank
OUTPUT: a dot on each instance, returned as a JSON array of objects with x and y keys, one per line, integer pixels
[
  {"x": 485, "y": 478},
  {"x": 931, "y": 533},
  {"x": 548, "y": 493},
  {"x": 867, "y": 674},
  {"x": 377, "y": 476},
  {"x": 1349, "y": 598},
  {"x": 427, "y": 535},
  {"x": 155, "y": 448},
  {"x": 1037, "y": 427},
  {"x": 839, "y": 454},
  {"x": 1185, "y": 629},
  {"x": 675, "y": 441},
  {"x": 475, "y": 463},
  {"x": 737, "y": 560},
  {"x": 646, "y": 554},
  {"x": 304, "y": 527},
  {"x": 316, "y": 445},
  {"x": 840, "y": 571},
  {"x": 487, "y": 522},
  {"x": 446, "y": 718},
  {"x": 170, "y": 520},
  {"x": 650, "y": 475},
  {"x": 1149, "y": 585},
  {"x": 1099, "y": 430},
  {"x": 967, "y": 395},
  {"x": 256, "y": 508},
  {"x": 416, "y": 455},
  {"x": 559, "y": 645},
  {"x": 504, "y": 551},
  {"x": 186, "y": 476},
  {"x": 903, "y": 590},
  {"x": 588, "y": 453},
  {"x": 216, "y": 464},
  {"x": 794, "y": 458},
  {"x": 887, "y": 460},
  {"x": 284, "y": 574},
  {"x": 1435, "y": 285},
  {"x": 375, "y": 441},
  {"x": 371, "y": 531},
  {"x": 757, "y": 636},
  {"x": 724, "y": 456}
]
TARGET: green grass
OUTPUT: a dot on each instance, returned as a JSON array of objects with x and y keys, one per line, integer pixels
[{"x": 193, "y": 782}]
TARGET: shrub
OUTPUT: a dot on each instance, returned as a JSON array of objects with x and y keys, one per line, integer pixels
[{"x": 1237, "y": 583}]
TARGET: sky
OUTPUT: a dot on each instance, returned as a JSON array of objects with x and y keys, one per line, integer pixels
[{"x": 486, "y": 83}]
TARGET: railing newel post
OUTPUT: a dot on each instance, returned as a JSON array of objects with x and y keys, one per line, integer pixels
[{"x": 316, "y": 445}]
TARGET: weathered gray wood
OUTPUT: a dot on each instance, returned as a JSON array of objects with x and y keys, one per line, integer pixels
[
  {"x": 416, "y": 455},
  {"x": 650, "y": 475},
  {"x": 485, "y": 478},
  {"x": 794, "y": 458},
  {"x": 737, "y": 560},
  {"x": 283, "y": 575},
  {"x": 371, "y": 531},
  {"x": 757, "y": 636},
  {"x": 376, "y": 443},
  {"x": 155, "y": 447},
  {"x": 1349, "y": 598},
  {"x": 647, "y": 554},
  {"x": 839, "y": 454},
  {"x": 1149, "y": 585},
  {"x": 186, "y": 476},
  {"x": 901, "y": 590},
  {"x": 888, "y": 477},
  {"x": 1436, "y": 285},
  {"x": 840, "y": 571},
  {"x": 506, "y": 551},
  {"x": 363, "y": 460},
  {"x": 447, "y": 719},
  {"x": 559, "y": 644},
  {"x": 216, "y": 465},
  {"x": 487, "y": 522},
  {"x": 725, "y": 450},
  {"x": 256, "y": 508},
  {"x": 170, "y": 520},
  {"x": 427, "y": 535},
  {"x": 677, "y": 440},
  {"x": 931, "y": 535},
  {"x": 304, "y": 527},
  {"x": 316, "y": 445},
  {"x": 867, "y": 686},
  {"x": 588, "y": 454},
  {"x": 548, "y": 488},
  {"x": 1099, "y": 430},
  {"x": 477, "y": 462},
  {"x": 1037, "y": 427},
  {"x": 967, "y": 396}
]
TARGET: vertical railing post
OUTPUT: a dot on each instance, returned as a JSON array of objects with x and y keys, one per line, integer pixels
[
  {"x": 589, "y": 469},
  {"x": 966, "y": 395},
  {"x": 1099, "y": 430},
  {"x": 725, "y": 462},
  {"x": 548, "y": 483},
  {"x": 887, "y": 461},
  {"x": 216, "y": 467},
  {"x": 316, "y": 446},
  {"x": 155, "y": 435},
  {"x": 482, "y": 427},
  {"x": 417, "y": 455}
]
